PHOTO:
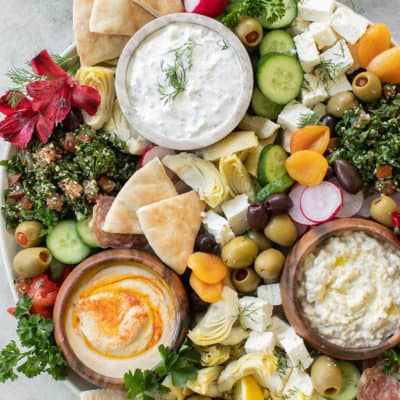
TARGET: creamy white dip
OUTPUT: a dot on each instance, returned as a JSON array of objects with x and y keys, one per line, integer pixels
[
  {"x": 212, "y": 87},
  {"x": 349, "y": 288}
]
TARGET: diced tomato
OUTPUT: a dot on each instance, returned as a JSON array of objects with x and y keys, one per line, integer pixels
[
  {"x": 45, "y": 312},
  {"x": 11, "y": 311},
  {"x": 43, "y": 291}
]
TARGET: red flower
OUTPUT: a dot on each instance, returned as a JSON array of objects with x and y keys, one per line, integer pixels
[{"x": 49, "y": 103}]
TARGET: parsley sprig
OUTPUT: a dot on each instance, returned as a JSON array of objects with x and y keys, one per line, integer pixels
[
  {"x": 42, "y": 354},
  {"x": 391, "y": 363},
  {"x": 181, "y": 366}
]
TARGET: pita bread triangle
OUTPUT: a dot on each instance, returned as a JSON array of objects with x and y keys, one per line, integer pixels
[
  {"x": 171, "y": 226},
  {"x": 161, "y": 7},
  {"x": 148, "y": 185}
]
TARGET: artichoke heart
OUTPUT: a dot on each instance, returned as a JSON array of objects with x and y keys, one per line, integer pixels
[
  {"x": 216, "y": 324},
  {"x": 201, "y": 175},
  {"x": 214, "y": 355},
  {"x": 174, "y": 393},
  {"x": 206, "y": 382},
  {"x": 102, "y": 79},
  {"x": 256, "y": 364},
  {"x": 118, "y": 125},
  {"x": 237, "y": 336},
  {"x": 236, "y": 176}
]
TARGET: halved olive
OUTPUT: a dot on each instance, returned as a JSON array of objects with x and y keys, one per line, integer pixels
[
  {"x": 367, "y": 87},
  {"x": 27, "y": 234},
  {"x": 249, "y": 31},
  {"x": 32, "y": 262},
  {"x": 341, "y": 102},
  {"x": 245, "y": 280},
  {"x": 240, "y": 252},
  {"x": 326, "y": 376}
]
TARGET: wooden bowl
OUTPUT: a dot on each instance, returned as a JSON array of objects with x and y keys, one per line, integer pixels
[
  {"x": 88, "y": 269},
  {"x": 292, "y": 305}
]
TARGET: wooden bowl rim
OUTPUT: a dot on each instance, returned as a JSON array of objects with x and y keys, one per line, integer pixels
[
  {"x": 291, "y": 304},
  {"x": 93, "y": 262}
]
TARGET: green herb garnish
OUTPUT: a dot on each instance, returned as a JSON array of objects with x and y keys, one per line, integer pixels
[
  {"x": 391, "y": 363},
  {"x": 42, "y": 354},
  {"x": 69, "y": 64},
  {"x": 283, "y": 363},
  {"x": 308, "y": 119},
  {"x": 327, "y": 70}
]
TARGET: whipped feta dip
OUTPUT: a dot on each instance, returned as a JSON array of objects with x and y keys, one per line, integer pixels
[
  {"x": 210, "y": 80},
  {"x": 349, "y": 289}
]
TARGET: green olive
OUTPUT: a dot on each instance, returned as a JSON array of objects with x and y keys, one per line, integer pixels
[
  {"x": 367, "y": 87},
  {"x": 382, "y": 209},
  {"x": 341, "y": 102},
  {"x": 32, "y": 262},
  {"x": 240, "y": 252},
  {"x": 262, "y": 242},
  {"x": 269, "y": 264},
  {"x": 249, "y": 31},
  {"x": 326, "y": 376},
  {"x": 245, "y": 280},
  {"x": 281, "y": 230},
  {"x": 27, "y": 233}
]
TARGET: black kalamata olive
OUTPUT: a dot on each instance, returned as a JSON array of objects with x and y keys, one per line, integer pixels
[
  {"x": 329, "y": 121},
  {"x": 347, "y": 176},
  {"x": 73, "y": 120},
  {"x": 278, "y": 203},
  {"x": 330, "y": 173},
  {"x": 205, "y": 242},
  {"x": 197, "y": 305},
  {"x": 257, "y": 216}
]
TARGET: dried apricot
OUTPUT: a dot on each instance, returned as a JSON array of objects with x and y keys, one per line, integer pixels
[
  {"x": 376, "y": 39},
  {"x": 308, "y": 167},
  {"x": 312, "y": 137},
  {"x": 209, "y": 268},
  {"x": 387, "y": 65},
  {"x": 206, "y": 292}
]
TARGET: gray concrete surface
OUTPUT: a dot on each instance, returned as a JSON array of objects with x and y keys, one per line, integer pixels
[{"x": 27, "y": 26}]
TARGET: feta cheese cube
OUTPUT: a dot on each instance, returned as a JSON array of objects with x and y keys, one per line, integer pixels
[
  {"x": 277, "y": 326},
  {"x": 298, "y": 27},
  {"x": 260, "y": 341},
  {"x": 348, "y": 24},
  {"x": 295, "y": 348},
  {"x": 255, "y": 313},
  {"x": 264, "y": 128},
  {"x": 274, "y": 383},
  {"x": 300, "y": 383},
  {"x": 270, "y": 293},
  {"x": 313, "y": 91},
  {"x": 323, "y": 34},
  {"x": 235, "y": 211},
  {"x": 320, "y": 110},
  {"x": 218, "y": 227},
  {"x": 316, "y": 10},
  {"x": 338, "y": 58},
  {"x": 307, "y": 51},
  {"x": 291, "y": 115},
  {"x": 338, "y": 85}
]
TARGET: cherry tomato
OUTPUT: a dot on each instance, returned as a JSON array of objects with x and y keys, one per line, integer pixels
[{"x": 43, "y": 291}]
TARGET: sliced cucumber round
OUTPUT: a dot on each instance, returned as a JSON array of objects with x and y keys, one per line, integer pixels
[
  {"x": 65, "y": 244},
  {"x": 277, "y": 41},
  {"x": 287, "y": 18},
  {"x": 85, "y": 233},
  {"x": 271, "y": 165},
  {"x": 280, "y": 77},
  {"x": 264, "y": 107},
  {"x": 350, "y": 377}
]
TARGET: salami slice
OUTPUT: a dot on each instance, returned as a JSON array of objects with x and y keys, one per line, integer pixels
[
  {"x": 375, "y": 385},
  {"x": 113, "y": 240}
]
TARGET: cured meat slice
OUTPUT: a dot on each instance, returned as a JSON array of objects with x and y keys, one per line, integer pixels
[
  {"x": 375, "y": 385},
  {"x": 113, "y": 240}
]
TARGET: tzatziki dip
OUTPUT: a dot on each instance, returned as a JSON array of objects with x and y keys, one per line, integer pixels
[
  {"x": 349, "y": 289},
  {"x": 184, "y": 81}
]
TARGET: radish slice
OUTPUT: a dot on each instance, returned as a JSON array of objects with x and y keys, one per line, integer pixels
[
  {"x": 321, "y": 203},
  {"x": 365, "y": 210},
  {"x": 210, "y": 8},
  {"x": 153, "y": 152},
  {"x": 352, "y": 203},
  {"x": 295, "y": 211}
]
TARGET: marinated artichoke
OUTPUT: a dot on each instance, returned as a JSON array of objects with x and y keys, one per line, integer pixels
[
  {"x": 238, "y": 334},
  {"x": 256, "y": 364},
  {"x": 119, "y": 126},
  {"x": 214, "y": 355},
  {"x": 206, "y": 382},
  {"x": 236, "y": 176},
  {"x": 174, "y": 393},
  {"x": 216, "y": 324},
  {"x": 102, "y": 79},
  {"x": 201, "y": 175}
]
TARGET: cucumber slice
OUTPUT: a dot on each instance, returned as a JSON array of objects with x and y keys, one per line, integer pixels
[
  {"x": 65, "y": 244},
  {"x": 271, "y": 165},
  {"x": 286, "y": 20},
  {"x": 280, "y": 77},
  {"x": 351, "y": 376},
  {"x": 264, "y": 107},
  {"x": 278, "y": 41},
  {"x": 85, "y": 233},
  {"x": 279, "y": 186}
]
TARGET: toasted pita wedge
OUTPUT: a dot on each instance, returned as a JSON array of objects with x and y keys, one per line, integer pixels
[
  {"x": 148, "y": 185},
  {"x": 92, "y": 47},
  {"x": 118, "y": 17},
  {"x": 171, "y": 226},
  {"x": 103, "y": 394},
  {"x": 161, "y": 7}
]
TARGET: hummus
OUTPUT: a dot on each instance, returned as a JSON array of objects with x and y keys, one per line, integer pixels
[
  {"x": 349, "y": 288},
  {"x": 118, "y": 317}
]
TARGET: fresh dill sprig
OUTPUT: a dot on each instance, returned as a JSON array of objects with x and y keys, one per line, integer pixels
[
  {"x": 175, "y": 74},
  {"x": 22, "y": 76},
  {"x": 69, "y": 64},
  {"x": 292, "y": 394},
  {"x": 327, "y": 70},
  {"x": 14, "y": 97},
  {"x": 308, "y": 119},
  {"x": 283, "y": 364}
]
